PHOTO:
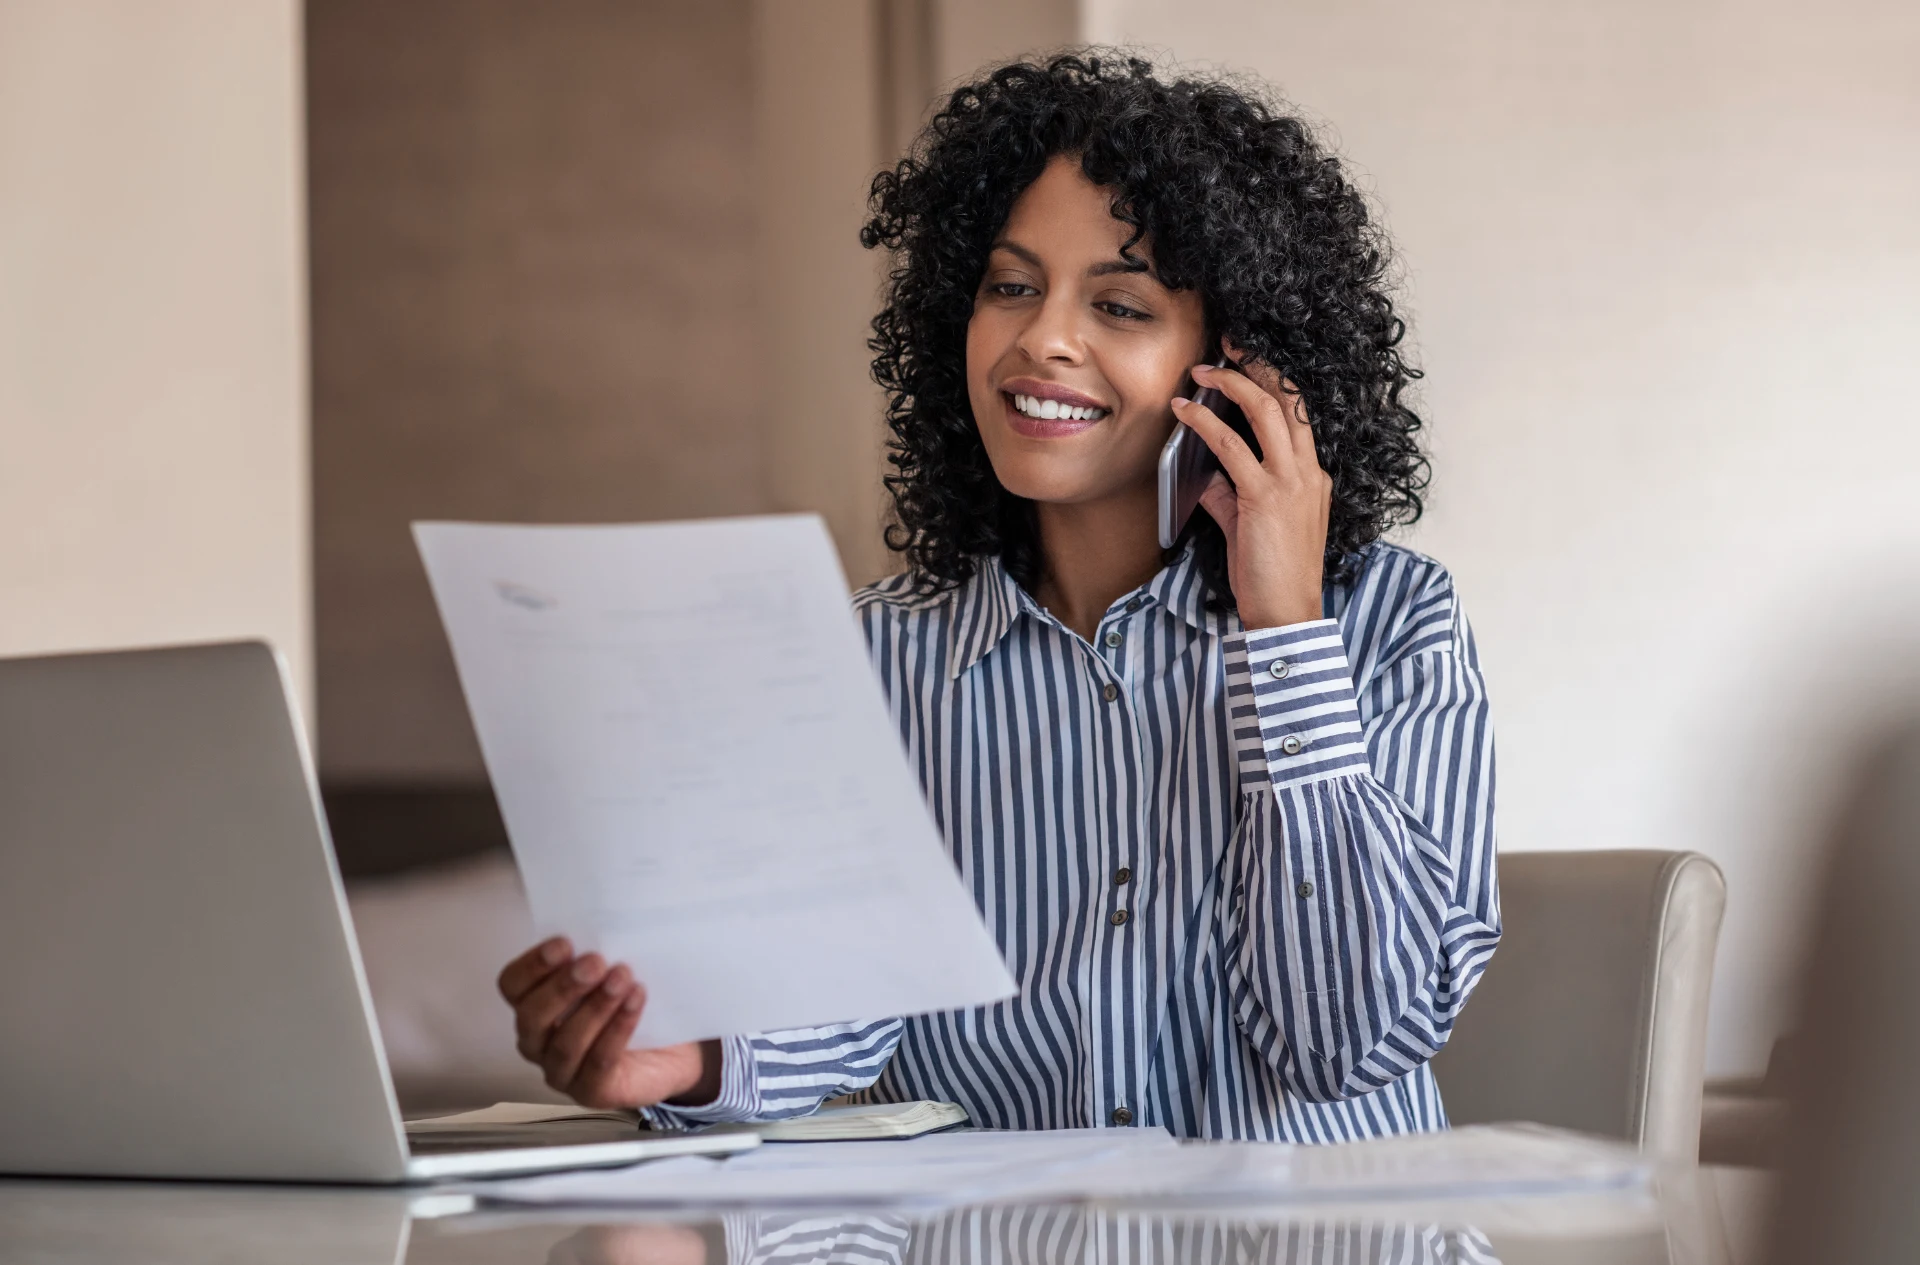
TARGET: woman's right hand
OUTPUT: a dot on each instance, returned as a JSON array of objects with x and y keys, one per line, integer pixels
[{"x": 574, "y": 1016}]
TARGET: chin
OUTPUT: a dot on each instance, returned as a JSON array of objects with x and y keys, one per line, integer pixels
[
  {"x": 1069, "y": 470},
  {"x": 1046, "y": 491},
  {"x": 1050, "y": 480}
]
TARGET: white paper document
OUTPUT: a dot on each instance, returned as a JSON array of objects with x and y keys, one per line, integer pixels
[
  {"x": 699, "y": 775},
  {"x": 942, "y": 1169},
  {"x": 1474, "y": 1161},
  {"x": 1135, "y": 1168}
]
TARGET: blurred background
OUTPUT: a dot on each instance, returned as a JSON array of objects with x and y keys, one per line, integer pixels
[{"x": 277, "y": 279}]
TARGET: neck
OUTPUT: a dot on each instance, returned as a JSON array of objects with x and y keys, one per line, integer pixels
[{"x": 1095, "y": 552}]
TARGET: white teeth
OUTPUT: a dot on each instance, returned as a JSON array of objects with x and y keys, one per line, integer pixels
[{"x": 1050, "y": 410}]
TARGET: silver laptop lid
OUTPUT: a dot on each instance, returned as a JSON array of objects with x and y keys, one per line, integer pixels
[{"x": 183, "y": 995}]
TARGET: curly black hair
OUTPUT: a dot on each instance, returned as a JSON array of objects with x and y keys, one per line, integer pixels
[{"x": 1237, "y": 201}]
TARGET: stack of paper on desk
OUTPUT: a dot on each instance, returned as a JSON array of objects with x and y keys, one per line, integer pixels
[
  {"x": 1136, "y": 1167},
  {"x": 699, "y": 775},
  {"x": 1486, "y": 1161},
  {"x": 941, "y": 1169}
]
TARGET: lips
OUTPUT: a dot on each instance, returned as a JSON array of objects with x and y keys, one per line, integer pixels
[
  {"x": 1045, "y": 427},
  {"x": 1048, "y": 410}
]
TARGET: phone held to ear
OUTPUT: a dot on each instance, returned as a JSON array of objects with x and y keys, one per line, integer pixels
[{"x": 1187, "y": 464}]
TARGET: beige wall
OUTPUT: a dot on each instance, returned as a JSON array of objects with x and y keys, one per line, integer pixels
[
  {"x": 587, "y": 261},
  {"x": 533, "y": 301},
  {"x": 1662, "y": 261},
  {"x": 971, "y": 34},
  {"x": 579, "y": 262},
  {"x": 819, "y": 135},
  {"x": 153, "y": 467},
  {"x": 819, "y": 139}
]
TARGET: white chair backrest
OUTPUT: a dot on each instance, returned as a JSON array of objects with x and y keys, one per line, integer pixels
[{"x": 1593, "y": 1012}]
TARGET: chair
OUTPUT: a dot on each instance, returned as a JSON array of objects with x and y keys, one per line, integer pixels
[
  {"x": 1593, "y": 1012},
  {"x": 1853, "y": 1144}
]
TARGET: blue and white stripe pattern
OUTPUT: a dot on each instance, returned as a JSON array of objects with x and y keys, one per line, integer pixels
[
  {"x": 1065, "y": 1235},
  {"x": 1019, "y": 1235},
  {"x": 762, "y": 1238},
  {"x": 1245, "y": 879}
]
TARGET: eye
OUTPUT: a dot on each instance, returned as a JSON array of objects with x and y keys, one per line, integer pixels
[
  {"x": 1121, "y": 311},
  {"x": 1011, "y": 289}
]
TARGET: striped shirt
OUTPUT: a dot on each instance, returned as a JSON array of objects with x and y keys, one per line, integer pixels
[{"x": 1245, "y": 879}]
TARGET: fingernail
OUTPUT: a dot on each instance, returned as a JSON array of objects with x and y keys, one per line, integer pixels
[
  {"x": 1178, "y": 400},
  {"x": 588, "y": 968},
  {"x": 553, "y": 950},
  {"x": 633, "y": 1000},
  {"x": 617, "y": 981}
]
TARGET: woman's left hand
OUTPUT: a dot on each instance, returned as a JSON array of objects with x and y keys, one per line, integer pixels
[{"x": 1274, "y": 510}]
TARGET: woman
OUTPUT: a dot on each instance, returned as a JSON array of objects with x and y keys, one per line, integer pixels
[{"x": 1228, "y": 808}]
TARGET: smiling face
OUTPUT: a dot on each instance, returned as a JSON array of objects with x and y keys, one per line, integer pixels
[{"x": 1073, "y": 353}]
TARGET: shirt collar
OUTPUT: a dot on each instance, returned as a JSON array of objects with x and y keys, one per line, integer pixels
[
  {"x": 1182, "y": 589},
  {"x": 986, "y": 606}
]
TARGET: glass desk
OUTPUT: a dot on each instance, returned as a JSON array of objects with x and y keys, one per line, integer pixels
[{"x": 1699, "y": 1217}]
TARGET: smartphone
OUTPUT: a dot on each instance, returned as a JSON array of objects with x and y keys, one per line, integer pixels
[{"x": 1187, "y": 464}]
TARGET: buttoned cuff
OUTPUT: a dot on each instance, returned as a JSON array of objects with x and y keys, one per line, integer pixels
[
  {"x": 738, "y": 1099},
  {"x": 1290, "y": 695}
]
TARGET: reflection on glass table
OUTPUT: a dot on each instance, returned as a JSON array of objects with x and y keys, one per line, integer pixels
[
  {"x": 1015, "y": 1236},
  {"x": 1684, "y": 1221},
  {"x": 1680, "y": 1224}
]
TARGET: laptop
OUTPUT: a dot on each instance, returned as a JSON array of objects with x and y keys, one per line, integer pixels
[{"x": 183, "y": 996}]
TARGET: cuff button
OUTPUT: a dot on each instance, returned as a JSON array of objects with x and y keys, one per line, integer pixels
[
  {"x": 1292, "y": 745},
  {"x": 1279, "y": 668}
]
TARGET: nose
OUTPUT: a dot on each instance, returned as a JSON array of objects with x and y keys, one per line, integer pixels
[{"x": 1054, "y": 334}]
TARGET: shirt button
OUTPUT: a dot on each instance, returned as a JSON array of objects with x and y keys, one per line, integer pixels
[
  {"x": 1136, "y": 603},
  {"x": 1304, "y": 890},
  {"x": 1118, "y": 917},
  {"x": 1114, "y": 638},
  {"x": 1122, "y": 1116},
  {"x": 1292, "y": 745},
  {"x": 1110, "y": 692},
  {"x": 1122, "y": 876},
  {"x": 1279, "y": 668}
]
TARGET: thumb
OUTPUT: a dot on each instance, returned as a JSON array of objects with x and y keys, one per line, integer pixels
[{"x": 1220, "y": 500}]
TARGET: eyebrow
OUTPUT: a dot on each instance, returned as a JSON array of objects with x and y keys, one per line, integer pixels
[{"x": 1104, "y": 269}]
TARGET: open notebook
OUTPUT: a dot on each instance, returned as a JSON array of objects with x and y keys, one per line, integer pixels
[{"x": 830, "y": 1124}]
